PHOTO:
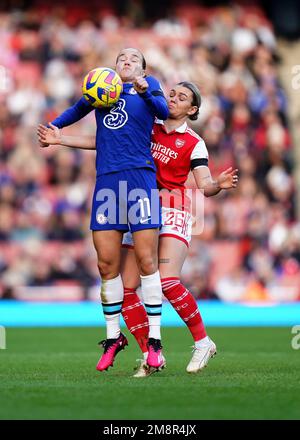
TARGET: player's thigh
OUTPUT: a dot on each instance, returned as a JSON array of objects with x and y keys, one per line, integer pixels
[
  {"x": 129, "y": 269},
  {"x": 146, "y": 249},
  {"x": 108, "y": 246},
  {"x": 172, "y": 253}
]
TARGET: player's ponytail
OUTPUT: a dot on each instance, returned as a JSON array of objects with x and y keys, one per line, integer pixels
[{"x": 196, "y": 101}]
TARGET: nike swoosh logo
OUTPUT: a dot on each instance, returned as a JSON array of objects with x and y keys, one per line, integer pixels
[
  {"x": 89, "y": 83},
  {"x": 145, "y": 220}
]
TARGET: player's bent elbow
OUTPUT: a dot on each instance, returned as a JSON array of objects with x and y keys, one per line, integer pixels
[{"x": 164, "y": 114}]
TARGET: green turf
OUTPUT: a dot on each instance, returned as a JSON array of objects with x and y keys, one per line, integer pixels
[{"x": 50, "y": 374}]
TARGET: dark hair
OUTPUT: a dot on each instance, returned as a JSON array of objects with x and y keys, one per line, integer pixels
[
  {"x": 144, "y": 65},
  {"x": 143, "y": 61},
  {"x": 196, "y": 101}
]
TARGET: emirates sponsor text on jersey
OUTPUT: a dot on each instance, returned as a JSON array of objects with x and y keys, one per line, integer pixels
[{"x": 162, "y": 153}]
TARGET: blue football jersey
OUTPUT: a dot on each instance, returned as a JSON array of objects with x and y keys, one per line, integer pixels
[{"x": 123, "y": 137}]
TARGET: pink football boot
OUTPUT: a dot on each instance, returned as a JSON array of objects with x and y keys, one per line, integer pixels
[
  {"x": 155, "y": 357},
  {"x": 111, "y": 349}
]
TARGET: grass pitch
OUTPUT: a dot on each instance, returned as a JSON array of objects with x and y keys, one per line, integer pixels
[{"x": 49, "y": 373}]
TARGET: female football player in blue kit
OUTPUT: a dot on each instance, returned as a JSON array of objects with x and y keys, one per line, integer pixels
[
  {"x": 124, "y": 198},
  {"x": 184, "y": 102}
]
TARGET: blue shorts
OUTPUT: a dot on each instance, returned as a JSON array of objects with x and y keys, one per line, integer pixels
[{"x": 126, "y": 200}]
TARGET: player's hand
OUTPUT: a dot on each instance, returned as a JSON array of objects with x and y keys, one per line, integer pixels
[
  {"x": 48, "y": 135},
  {"x": 140, "y": 84},
  {"x": 228, "y": 179}
]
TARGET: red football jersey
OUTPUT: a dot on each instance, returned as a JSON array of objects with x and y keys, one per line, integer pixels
[{"x": 173, "y": 154}]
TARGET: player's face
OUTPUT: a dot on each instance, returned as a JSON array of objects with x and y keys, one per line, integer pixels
[
  {"x": 180, "y": 103},
  {"x": 129, "y": 64}
]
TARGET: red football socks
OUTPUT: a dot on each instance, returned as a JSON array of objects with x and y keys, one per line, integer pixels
[
  {"x": 135, "y": 317},
  {"x": 185, "y": 305}
]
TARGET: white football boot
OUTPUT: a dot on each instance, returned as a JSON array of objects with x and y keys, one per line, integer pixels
[
  {"x": 143, "y": 369},
  {"x": 201, "y": 357}
]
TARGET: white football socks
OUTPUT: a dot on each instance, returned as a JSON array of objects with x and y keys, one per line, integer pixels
[
  {"x": 112, "y": 294},
  {"x": 152, "y": 296}
]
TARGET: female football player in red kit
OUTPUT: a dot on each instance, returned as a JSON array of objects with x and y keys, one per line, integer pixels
[{"x": 176, "y": 150}]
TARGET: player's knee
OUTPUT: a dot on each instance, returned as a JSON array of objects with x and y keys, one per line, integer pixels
[
  {"x": 107, "y": 269},
  {"x": 147, "y": 264}
]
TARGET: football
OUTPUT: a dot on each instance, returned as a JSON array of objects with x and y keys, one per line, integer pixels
[{"x": 102, "y": 87}]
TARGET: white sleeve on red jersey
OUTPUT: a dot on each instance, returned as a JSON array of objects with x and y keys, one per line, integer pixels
[
  {"x": 199, "y": 156},
  {"x": 199, "y": 151}
]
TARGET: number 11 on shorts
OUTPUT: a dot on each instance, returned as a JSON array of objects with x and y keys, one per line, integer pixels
[{"x": 145, "y": 209}]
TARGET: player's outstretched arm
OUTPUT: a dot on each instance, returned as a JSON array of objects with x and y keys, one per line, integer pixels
[
  {"x": 52, "y": 136},
  {"x": 73, "y": 114},
  {"x": 226, "y": 180},
  {"x": 149, "y": 89}
]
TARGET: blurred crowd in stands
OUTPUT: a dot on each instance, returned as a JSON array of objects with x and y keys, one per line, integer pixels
[{"x": 250, "y": 247}]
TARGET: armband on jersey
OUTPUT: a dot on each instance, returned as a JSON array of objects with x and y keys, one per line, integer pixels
[{"x": 198, "y": 163}]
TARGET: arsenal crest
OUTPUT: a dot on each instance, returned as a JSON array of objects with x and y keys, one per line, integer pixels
[{"x": 179, "y": 143}]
